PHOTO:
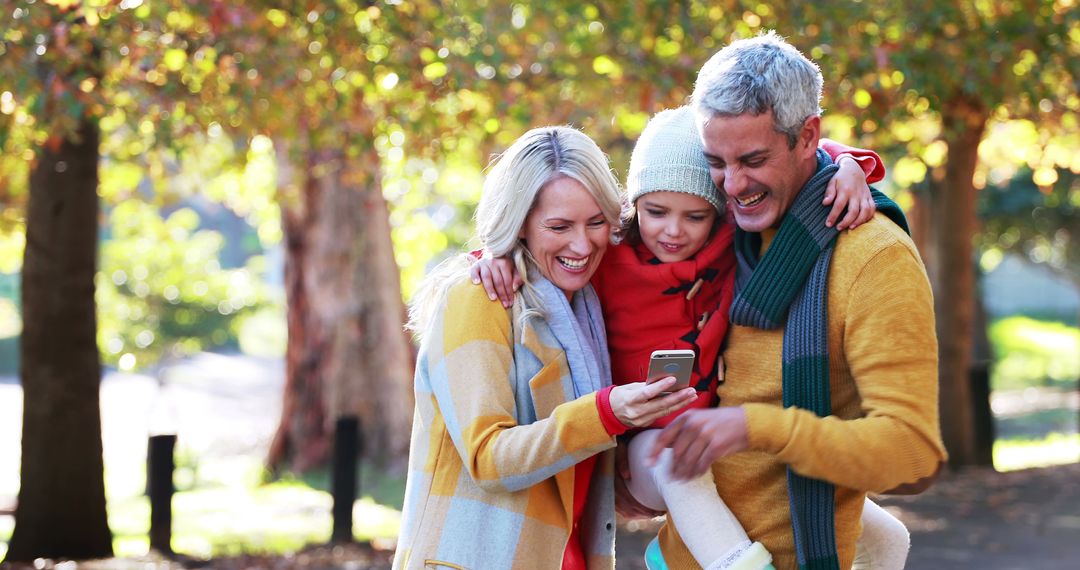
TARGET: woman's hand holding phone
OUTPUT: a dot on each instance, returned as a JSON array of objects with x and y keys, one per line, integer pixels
[{"x": 639, "y": 404}]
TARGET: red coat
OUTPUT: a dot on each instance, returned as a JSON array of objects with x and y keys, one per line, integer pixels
[{"x": 646, "y": 307}]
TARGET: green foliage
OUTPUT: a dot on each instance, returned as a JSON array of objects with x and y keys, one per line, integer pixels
[
  {"x": 436, "y": 89},
  {"x": 1037, "y": 222},
  {"x": 162, "y": 291},
  {"x": 1034, "y": 353},
  {"x": 1055, "y": 449}
]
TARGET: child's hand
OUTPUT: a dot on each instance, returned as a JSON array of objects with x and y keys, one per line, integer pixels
[
  {"x": 848, "y": 189},
  {"x": 499, "y": 278}
]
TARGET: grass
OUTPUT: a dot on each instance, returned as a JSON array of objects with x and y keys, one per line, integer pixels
[
  {"x": 1054, "y": 449},
  {"x": 1034, "y": 353},
  {"x": 220, "y": 517},
  {"x": 274, "y": 518}
]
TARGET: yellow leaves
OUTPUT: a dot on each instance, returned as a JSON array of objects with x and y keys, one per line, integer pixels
[
  {"x": 1025, "y": 63},
  {"x": 838, "y": 126},
  {"x": 365, "y": 19},
  {"x": 520, "y": 16},
  {"x": 862, "y": 98},
  {"x": 631, "y": 123},
  {"x": 908, "y": 171},
  {"x": 1044, "y": 176},
  {"x": 12, "y": 245},
  {"x": 935, "y": 153},
  {"x": 119, "y": 180},
  {"x": 63, "y": 4},
  {"x": 174, "y": 59},
  {"x": 277, "y": 17},
  {"x": 7, "y": 103},
  {"x": 434, "y": 70},
  {"x": 491, "y": 125},
  {"x": 1010, "y": 143},
  {"x": 377, "y": 53},
  {"x": 357, "y": 79},
  {"x": 179, "y": 21},
  {"x": 990, "y": 259},
  {"x": 666, "y": 48},
  {"x": 389, "y": 81},
  {"x": 604, "y": 65}
]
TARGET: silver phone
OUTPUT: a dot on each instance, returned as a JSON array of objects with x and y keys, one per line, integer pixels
[{"x": 678, "y": 363}]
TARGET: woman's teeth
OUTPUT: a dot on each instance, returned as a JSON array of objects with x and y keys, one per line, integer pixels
[
  {"x": 573, "y": 263},
  {"x": 751, "y": 200}
]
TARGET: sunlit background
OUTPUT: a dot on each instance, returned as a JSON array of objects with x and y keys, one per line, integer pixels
[{"x": 197, "y": 126}]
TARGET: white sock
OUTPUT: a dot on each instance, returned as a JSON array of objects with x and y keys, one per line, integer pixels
[
  {"x": 705, "y": 524},
  {"x": 884, "y": 543}
]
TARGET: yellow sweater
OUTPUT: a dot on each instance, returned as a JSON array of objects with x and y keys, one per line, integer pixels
[{"x": 883, "y": 374}]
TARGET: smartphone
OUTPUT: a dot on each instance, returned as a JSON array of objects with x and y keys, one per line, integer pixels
[{"x": 678, "y": 363}]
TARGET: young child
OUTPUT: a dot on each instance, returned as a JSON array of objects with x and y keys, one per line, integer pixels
[{"x": 669, "y": 285}]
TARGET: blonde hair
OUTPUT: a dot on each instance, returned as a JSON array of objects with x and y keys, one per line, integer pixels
[{"x": 510, "y": 191}]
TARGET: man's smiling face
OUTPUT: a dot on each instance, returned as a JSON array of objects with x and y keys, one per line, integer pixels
[{"x": 752, "y": 163}]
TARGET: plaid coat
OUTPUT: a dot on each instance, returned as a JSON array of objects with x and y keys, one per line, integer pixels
[{"x": 496, "y": 435}]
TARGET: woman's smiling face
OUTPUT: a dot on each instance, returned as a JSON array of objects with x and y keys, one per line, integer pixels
[{"x": 566, "y": 234}]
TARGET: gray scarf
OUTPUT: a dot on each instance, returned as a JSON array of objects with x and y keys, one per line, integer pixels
[{"x": 579, "y": 329}]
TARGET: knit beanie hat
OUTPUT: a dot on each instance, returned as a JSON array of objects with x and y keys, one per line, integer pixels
[{"x": 669, "y": 157}]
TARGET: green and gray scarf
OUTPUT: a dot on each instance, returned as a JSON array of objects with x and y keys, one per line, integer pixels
[{"x": 788, "y": 286}]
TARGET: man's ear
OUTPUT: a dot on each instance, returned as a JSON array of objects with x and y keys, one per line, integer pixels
[{"x": 809, "y": 136}]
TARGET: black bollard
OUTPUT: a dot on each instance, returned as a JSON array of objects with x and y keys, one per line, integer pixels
[
  {"x": 344, "y": 482},
  {"x": 159, "y": 487}
]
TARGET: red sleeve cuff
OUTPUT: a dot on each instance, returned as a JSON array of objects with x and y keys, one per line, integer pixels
[
  {"x": 607, "y": 415},
  {"x": 868, "y": 160}
]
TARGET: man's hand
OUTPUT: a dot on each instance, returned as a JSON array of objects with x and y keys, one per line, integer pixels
[
  {"x": 699, "y": 437},
  {"x": 625, "y": 503}
]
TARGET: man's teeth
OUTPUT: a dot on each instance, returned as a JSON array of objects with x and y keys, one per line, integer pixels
[
  {"x": 751, "y": 200},
  {"x": 573, "y": 263}
]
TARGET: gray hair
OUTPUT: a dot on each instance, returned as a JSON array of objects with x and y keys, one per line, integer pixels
[
  {"x": 756, "y": 75},
  {"x": 510, "y": 191}
]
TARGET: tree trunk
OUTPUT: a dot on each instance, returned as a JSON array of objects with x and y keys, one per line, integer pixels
[
  {"x": 955, "y": 298},
  {"x": 347, "y": 352},
  {"x": 61, "y": 509}
]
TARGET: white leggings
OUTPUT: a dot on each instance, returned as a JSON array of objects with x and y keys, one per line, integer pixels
[{"x": 711, "y": 532}]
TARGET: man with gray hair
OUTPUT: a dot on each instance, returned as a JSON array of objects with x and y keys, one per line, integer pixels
[{"x": 831, "y": 379}]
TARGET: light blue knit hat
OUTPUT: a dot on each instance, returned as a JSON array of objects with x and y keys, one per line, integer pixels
[{"x": 669, "y": 157}]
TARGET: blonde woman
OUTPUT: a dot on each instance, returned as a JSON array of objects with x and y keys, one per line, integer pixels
[{"x": 511, "y": 460}]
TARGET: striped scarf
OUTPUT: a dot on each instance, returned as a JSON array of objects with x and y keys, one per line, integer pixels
[{"x": 788, "y": 287}]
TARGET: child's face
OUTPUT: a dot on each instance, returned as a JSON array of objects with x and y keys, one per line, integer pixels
[{"x": 673, "y": 225}]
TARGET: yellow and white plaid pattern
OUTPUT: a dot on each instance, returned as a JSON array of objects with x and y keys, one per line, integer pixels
[{"x": 496, "y": 435}]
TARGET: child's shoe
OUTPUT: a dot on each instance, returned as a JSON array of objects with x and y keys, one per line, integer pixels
[{"x": 654, "y": 559}]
